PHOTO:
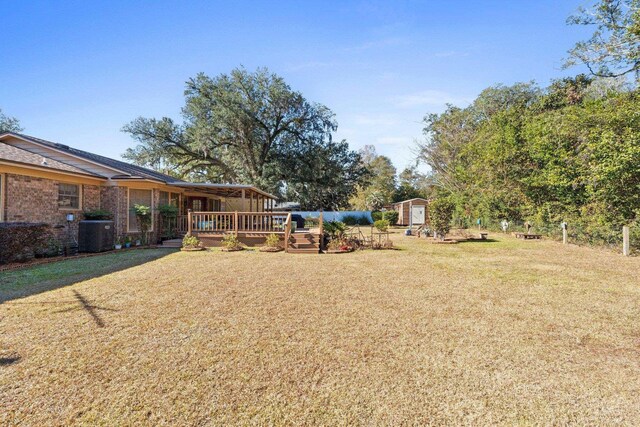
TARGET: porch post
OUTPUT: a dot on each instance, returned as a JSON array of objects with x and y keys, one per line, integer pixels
[
  {"x": 235, "y": 223},
  {"x": 189, "y": 223}
]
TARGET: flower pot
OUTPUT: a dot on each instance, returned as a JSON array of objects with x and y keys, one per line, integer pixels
[
  {"x": 118, "y": 247},
  {"x": 127, "y": 245},
  {"x": 137, "y": 242}
]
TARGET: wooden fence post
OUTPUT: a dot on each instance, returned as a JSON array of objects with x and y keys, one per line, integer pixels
[
  {"x": 625, "y": 241},
  {"x": 321, "y": 229},
  {"x": 189, "y": 223},
  {"x": 287, "y": 233},
  {"x": 565, "y": 233}
]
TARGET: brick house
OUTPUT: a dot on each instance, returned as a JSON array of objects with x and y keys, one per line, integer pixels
[{"x": 43, "y": 181}]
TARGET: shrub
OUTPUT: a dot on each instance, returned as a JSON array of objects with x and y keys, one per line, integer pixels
[
  {"x": 98, "y": 215},
  {"x": 441, "y": 213},
  {"x": 356, "y": 220},
  {"x": 377, "y": 216},
  {"x": 21, "y": 241},
  {"x": 143, "y": 216},
  {"x": 391, "y": 216},
  {"x": 230, "y": 241},
  {"x": 190, "y": 242},
  {"x": 382, "y": 225},
  {"x": 350, "y": 219},
  {"x": 363, "y": 220},
  {"x": 272, "y": 241},
  {"x": 168, "y": 213},
  {"x": 334, "y": 228}
]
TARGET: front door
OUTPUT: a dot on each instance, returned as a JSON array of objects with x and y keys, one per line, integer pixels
[{"x": 417, "y": 215}]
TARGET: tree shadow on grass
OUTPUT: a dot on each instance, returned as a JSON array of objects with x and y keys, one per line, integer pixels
[
  {"x": 9, "y": 360},
  {"x": 15, "y": 284},
  {"x": 478, "y": 241}
]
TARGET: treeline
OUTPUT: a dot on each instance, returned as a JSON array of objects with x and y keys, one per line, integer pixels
[{"x": 568, "y": 152}]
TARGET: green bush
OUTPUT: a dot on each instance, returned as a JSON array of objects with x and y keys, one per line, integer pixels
[
  {"x": 168, "y": 214},
  {"x": 98, "y": 215},
  {"x": 356, "y": 220},
  {"x": 382, "y": 225},
  {"x": 230, "y": 241},
  {"x": 272, "y": 241},
  {"x": 143, "y": 216},
  {"x": 441, "y": 214},
  {"x": 334, "y": 228},
  {"x": 190, "y": 242},
  {"x": 363, "y": 220},
  {"x": 391, "y": 216},
  {"x": 350, "y": 219},
  {"x": 21, "y": 242}
]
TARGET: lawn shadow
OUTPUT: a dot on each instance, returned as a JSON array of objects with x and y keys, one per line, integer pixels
[
  {"x": 479, "y": 241},
  {"x": 9, "y": 360},
  {"x": 21, "y": 283}
]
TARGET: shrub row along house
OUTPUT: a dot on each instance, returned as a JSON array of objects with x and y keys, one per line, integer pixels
[{"x": 45, "y": 182}]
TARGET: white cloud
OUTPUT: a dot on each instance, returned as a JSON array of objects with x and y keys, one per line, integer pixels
[{"x": 429, "y": 98}]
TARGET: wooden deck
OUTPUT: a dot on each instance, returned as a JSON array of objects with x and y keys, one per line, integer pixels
[{"x": 251, "y": 228}]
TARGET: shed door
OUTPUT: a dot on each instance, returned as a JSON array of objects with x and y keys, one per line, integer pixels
[{"x": 417, "y": 215}]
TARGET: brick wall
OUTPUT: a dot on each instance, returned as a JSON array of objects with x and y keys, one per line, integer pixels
[
  {"x": 31, "y": 199},
  {"x": 114, "y": 199}
]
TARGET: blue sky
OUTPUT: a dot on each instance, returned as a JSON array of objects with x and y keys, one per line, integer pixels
[{"x": 75, "y": 72}]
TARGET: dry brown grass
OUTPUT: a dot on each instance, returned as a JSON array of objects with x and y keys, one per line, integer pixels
[{"x": 505, "y": 332}]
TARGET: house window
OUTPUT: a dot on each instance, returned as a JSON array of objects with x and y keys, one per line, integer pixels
[
  {"x": 139, "y": 197},
  {"x": 197, "y": 205},
  {"x": 167, "y": 198},
  {"x": 68, "y": 196},
  {"x": 163, "y": 199}
]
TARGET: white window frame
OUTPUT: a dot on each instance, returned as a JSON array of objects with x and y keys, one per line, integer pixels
[
  {"x": 80, "y": 201},
  {"x": 3, "y": 194},
  {"x": 153, "y": 220}
]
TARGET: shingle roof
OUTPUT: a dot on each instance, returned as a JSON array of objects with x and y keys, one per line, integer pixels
[
  {"x": 15, "y": 154},
  {"x": 132, "y": 170}
]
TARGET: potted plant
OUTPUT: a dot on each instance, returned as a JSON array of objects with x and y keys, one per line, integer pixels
[
  {"x": 191, "y": 243},
  {"x": 271, "y": 244},
  {"x": 118, "y": 244},
  {"x": 127, "y": 242}
]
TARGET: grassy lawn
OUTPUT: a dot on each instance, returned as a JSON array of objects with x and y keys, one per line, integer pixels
[{"x": 504, "y": 332}]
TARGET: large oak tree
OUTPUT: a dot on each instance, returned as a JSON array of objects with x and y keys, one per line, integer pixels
[{"x": 251, "y": 128}]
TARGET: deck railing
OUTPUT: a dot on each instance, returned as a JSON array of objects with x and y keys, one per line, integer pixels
[{"x": 238, "y": 222}]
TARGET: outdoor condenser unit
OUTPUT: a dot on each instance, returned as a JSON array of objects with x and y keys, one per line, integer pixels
[{"x": 95, "y": 236}]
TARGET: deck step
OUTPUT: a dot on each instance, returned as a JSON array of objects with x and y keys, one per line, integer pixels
[{"x": 304, "y": 243}]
